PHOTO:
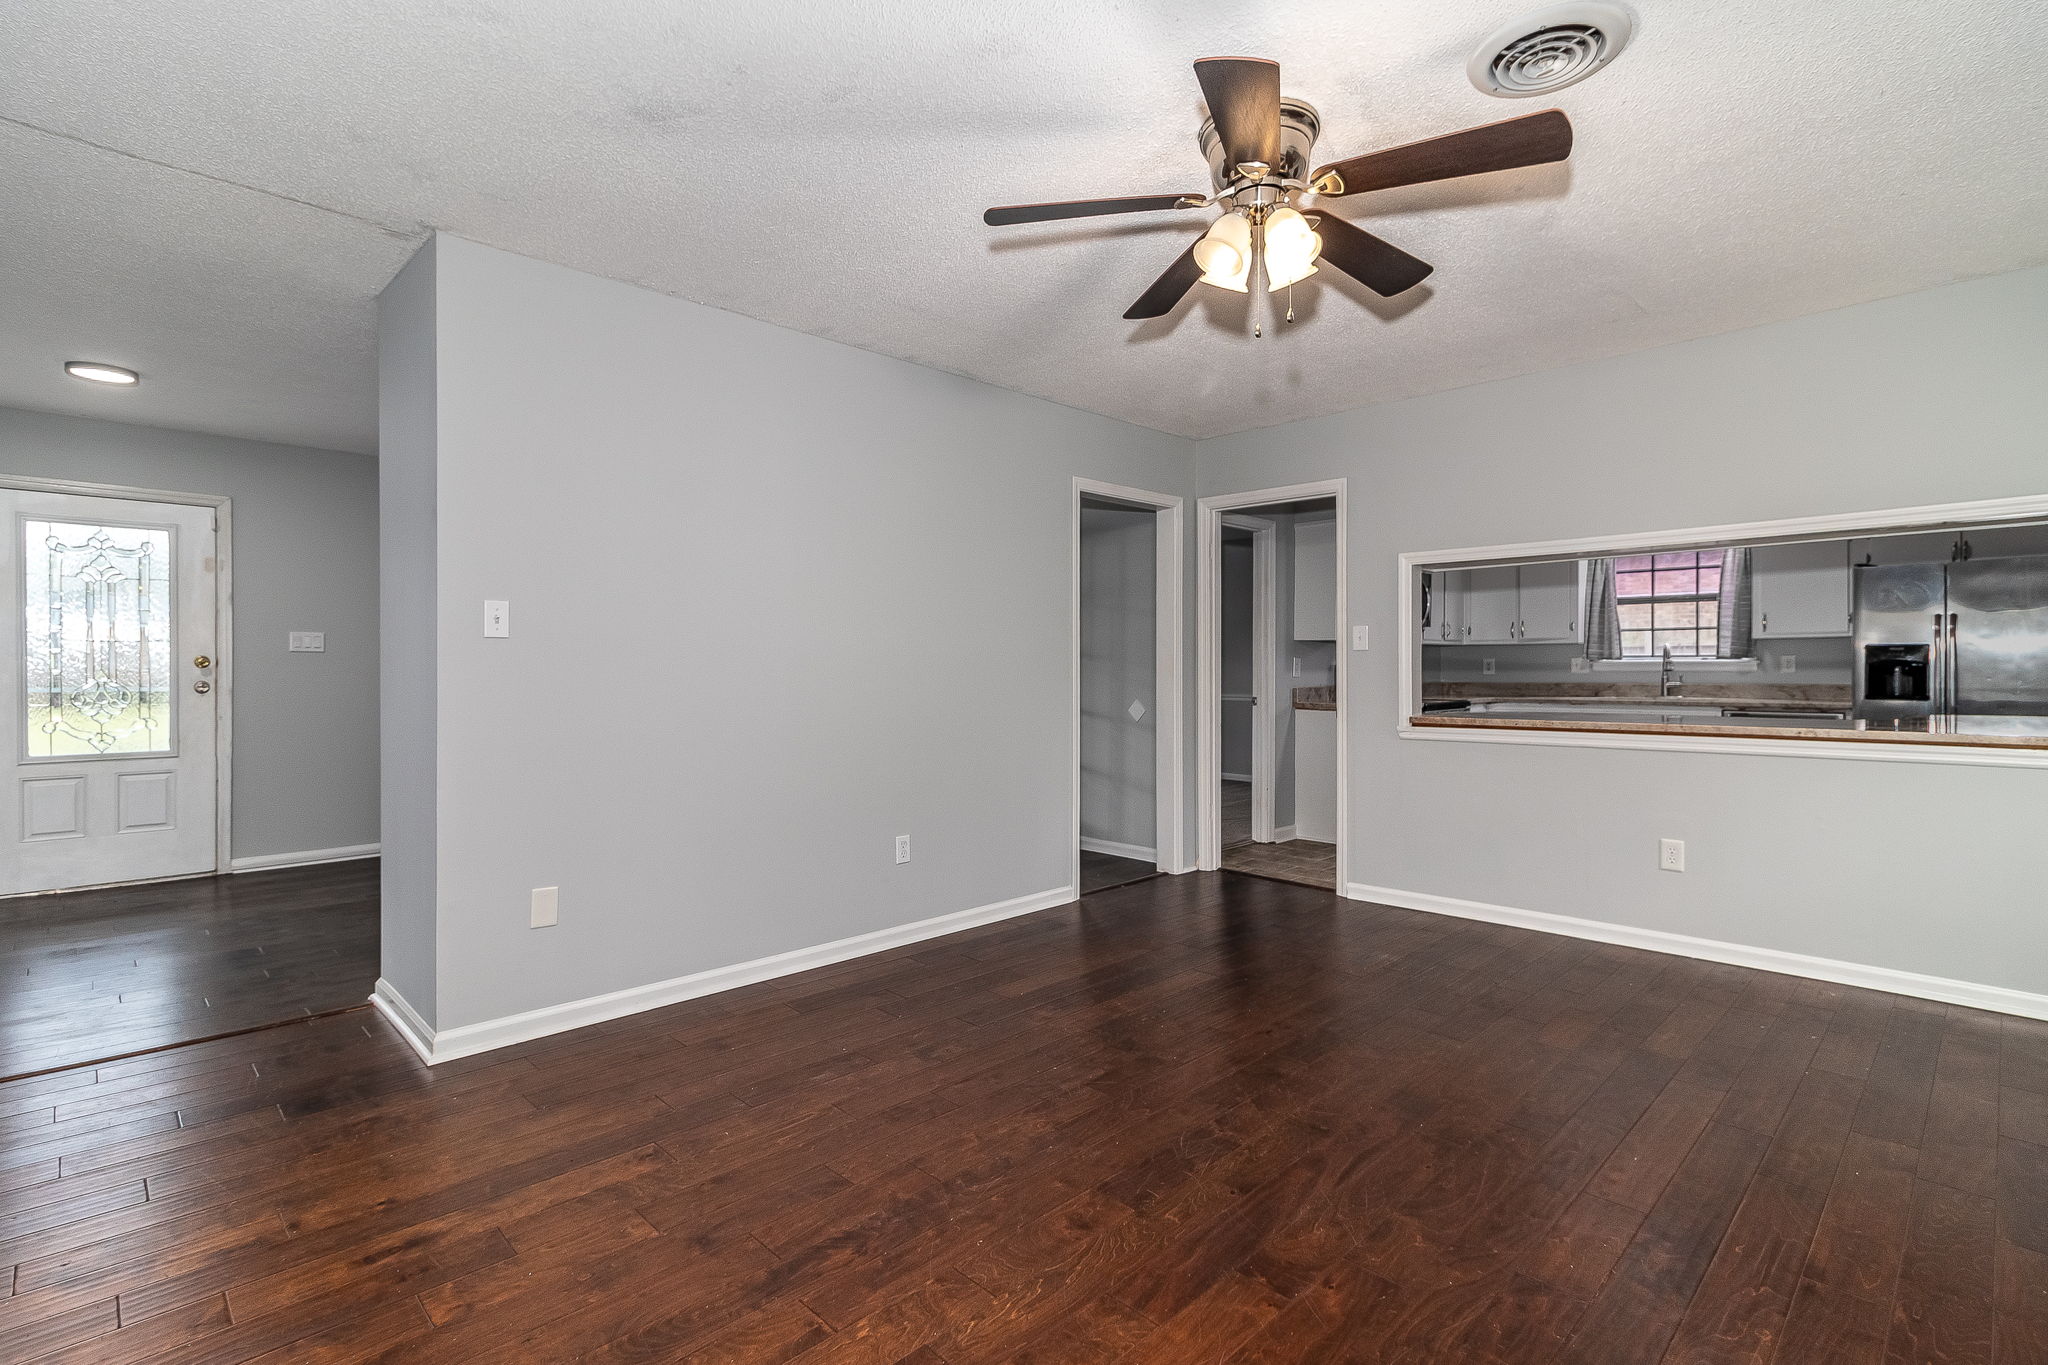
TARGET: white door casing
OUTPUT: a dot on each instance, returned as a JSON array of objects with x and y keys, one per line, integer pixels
[{"x": 110, "y": 603}]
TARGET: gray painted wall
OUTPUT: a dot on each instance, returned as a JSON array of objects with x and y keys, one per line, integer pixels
[
  {"x": 305, "y": 558},
  {"x": 408, "y": 440},
  {"x": 706, "y": 728},
  {"x": 1931, "y": 397},
  {"x": 1119, "y": 649},
  {"x": 1818, "y": 659}
]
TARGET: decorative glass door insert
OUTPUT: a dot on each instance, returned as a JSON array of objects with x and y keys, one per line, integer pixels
[{"x": 97, "y": 633}]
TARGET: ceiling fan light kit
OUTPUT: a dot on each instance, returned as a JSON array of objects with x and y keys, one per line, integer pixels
[{"x": 1276, "y": 226}]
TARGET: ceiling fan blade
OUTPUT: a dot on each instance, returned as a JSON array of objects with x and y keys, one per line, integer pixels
[
  {"x": 1089, "y": 208},
  {"x": 1244, "y": 99},
  {"x": 1380, "y": 266},
  {"x": 1169, "y": 289},
  {"x": 1528, "y": 141}
]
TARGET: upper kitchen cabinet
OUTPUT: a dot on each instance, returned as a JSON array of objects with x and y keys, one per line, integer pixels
[
  {"x": 1492, "y": 605},
  {"x": 1443, "y": 607},
  {"x": 1522, "y": 604},
  {"x": 1800, "y": 590},
  {"x": 1315, "y": 580},
  {"x": 1551, "y": 601}
]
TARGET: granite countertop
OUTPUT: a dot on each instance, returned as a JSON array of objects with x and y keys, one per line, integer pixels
[{"x": 1322, "y": 698}]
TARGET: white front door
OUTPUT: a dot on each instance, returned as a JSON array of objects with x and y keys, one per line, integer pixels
[{"x": 108, "y": 663}]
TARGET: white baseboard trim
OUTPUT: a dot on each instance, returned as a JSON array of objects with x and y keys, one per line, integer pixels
[
  {"x": 1237, "y": 777},
  {"x": 447, "y": 1044},
  {"x": 1998, "y": 999},
  {"x": 404, "y": 1018},
  {"x": 1284, "y": 834},
  {"x": 1116, "y": 850},
  {"x": 259, "y": 862}
]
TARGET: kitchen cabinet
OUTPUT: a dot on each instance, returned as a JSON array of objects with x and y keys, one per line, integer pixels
[
  {"x": 1446, "y": 623},
  {"x": 1492, "y": 605},
  {"x": 1521, "y": 604},
  {"x": 1799, "y": 591},
  {"x": 1550, "y": 605},
  {"x": 1315, "y": 776},
  {"x": 1315, "y": 580}
]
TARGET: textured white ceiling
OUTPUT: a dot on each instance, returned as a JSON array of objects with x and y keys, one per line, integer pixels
[{"x": 214, "y": 193}]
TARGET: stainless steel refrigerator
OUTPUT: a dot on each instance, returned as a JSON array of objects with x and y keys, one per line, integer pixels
[{"x": 1942, "y": 642}]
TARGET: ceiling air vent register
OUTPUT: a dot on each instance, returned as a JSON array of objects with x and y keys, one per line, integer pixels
[{"x": 1549, "y": 49}]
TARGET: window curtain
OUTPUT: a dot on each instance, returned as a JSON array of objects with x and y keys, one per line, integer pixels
[
  {"x": 1734, "y": 640},
  {"x": 1603, "y": 612}
]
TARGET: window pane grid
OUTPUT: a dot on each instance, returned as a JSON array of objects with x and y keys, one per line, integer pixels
[{"x": 1669, "y": 600}]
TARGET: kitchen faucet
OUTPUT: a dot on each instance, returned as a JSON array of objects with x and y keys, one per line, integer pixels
[{"x": 1668, "y": 682}]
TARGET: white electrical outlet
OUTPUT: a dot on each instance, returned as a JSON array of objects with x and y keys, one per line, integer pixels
[
  {"x": 903, "y": 848},
  {"x": 306, "y": 641},
  {"x": 1788, "y": 663},
  {"x": 1359, "y": 638},
  {"x": 1486, "y": 665},
  {"x": 1671, "y": 855},
  {"x": 546, "y": 901},
  {"x": 497, "y": 620},
  {"x": 1581, "y": 664}
]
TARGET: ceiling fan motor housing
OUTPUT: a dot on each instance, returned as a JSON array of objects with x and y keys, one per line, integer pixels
[
  {"x": 1299, "y": 125},
  {"x": 1550, "y": 49}
]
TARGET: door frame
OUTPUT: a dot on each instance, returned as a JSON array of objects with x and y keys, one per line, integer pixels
[
  {"x": 1169, "y": 680},
  {"x": 1265, "y": 667},
  {"x": 223, "y": 626},
  {"x": 1209, "y": 514}
]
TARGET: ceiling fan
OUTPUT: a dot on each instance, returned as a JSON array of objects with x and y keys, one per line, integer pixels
[{"x": 1257, "y": 142}]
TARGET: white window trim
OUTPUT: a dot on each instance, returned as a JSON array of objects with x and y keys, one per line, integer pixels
[
  {"x": 1640, "y": 664},
  {"x": 1891, "y": 521}
]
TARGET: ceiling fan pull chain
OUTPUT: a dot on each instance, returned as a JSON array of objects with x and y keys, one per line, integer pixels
[{"x": 1290, "y": 301}]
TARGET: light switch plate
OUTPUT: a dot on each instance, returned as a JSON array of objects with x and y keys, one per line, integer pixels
[
  {"x": 1297, "y": 665},
  {"x": 1358, "y": 636},
  {"x": 1486, "y": 665},
  {"x": 1788, "y": 663},
  {"x": 497, "y": 620},
  {"x": 546, "y": 904},
  {"x": 307, "y": 642}
]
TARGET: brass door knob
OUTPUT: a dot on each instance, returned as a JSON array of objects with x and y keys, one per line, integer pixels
[
  {"x": 202, "y": 686},
  {"x": 202, "y": 662}
]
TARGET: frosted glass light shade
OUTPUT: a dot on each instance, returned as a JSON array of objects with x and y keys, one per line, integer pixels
[
  {"x": 1291, "y": 248},
  {"x": 1225, "y": 252}
]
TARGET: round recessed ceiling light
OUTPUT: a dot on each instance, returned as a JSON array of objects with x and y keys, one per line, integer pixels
[
  {"x": 97, "y": 373},
  {"x": 1550, "y": 49}
]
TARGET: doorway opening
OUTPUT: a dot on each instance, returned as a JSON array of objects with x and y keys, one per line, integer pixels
[
  {"x": 1127, "y": 685},
  {"x": 1270, "y": 741},
  {"x": 122, "y": 931}
]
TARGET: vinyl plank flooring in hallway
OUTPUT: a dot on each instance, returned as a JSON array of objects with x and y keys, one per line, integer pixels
[
  {"x": 102, "y": 973},
  {"x": 1205, "y": 1119}
]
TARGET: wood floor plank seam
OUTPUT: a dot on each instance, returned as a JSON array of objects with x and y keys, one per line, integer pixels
[{"x": 1189, "y": 1118}]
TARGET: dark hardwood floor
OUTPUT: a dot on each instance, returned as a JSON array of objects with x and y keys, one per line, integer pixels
[
  {"x": 1194, "y": 1119},
  {"x": 91, "y": 974},
  {"x": 1100, "y": 871}
]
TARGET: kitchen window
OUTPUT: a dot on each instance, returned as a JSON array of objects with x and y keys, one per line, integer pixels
[{"x": 1669, "y": 601}]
